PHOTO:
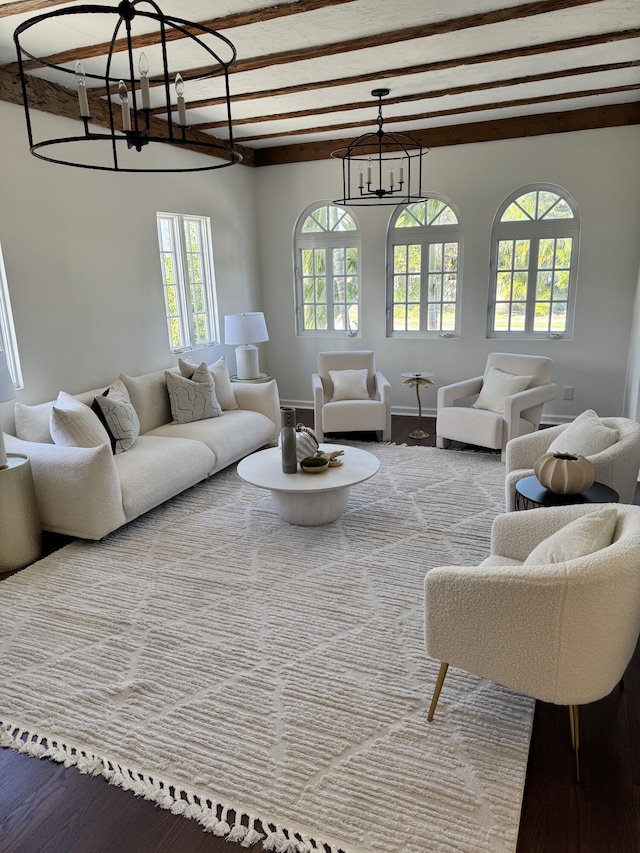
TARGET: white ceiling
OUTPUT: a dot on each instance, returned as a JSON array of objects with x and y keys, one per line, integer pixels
[{"x": 472, "y": 62}]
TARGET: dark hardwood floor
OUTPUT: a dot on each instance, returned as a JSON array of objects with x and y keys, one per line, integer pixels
[{"x": 46, "y": 807}]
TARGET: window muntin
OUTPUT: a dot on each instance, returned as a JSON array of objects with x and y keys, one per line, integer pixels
[
  {"x": 424, "y": 268},
  {"x": 327, "y": 271},
  {"x": 186, "y": 261},
  {"x": 534, "y": 258},
  {"x": 8, "y": 340}
]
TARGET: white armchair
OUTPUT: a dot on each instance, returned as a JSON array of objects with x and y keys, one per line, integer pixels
[
  {"x": 514, "y": 413},
  {"x": 617, "y": 466},
  {"x": 362, "y": 402},
  {"x": 559, "y": 627}
]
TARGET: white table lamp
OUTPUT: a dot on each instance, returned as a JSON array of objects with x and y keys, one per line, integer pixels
[
  {"x": 246, "y": 330},
  {"x": 7, "y": 392}
]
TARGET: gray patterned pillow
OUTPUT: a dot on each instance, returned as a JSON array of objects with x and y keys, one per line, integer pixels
[
  {"x": 192, "y": 399},
  {"x": 118, "y": 417}
]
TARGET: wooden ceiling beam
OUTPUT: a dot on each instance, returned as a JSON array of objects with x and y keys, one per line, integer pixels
[
  {"x": 441, "y": 65},
  {"x": 23, "y": 7},
  {"x": 615, "y": 115},
  {"x": 52, "y": 98},
  {"x": 422, "y": 96},
  {"x": 237, "y": 19},
  {"x": 452, "y": 111}
]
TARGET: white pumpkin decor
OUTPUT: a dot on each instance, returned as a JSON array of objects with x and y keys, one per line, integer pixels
[{"x": 564, "y": 473}]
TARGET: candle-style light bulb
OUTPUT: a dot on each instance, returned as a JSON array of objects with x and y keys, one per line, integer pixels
[
  {"x": 369, "y": 171},
  {"x": 143, "y": 68},
  {"x": 124, "y": 101},
  {"x": 81, "y": 86},
  {"x": 401, "y": 174},
  {"x": 182, "y": 113}
]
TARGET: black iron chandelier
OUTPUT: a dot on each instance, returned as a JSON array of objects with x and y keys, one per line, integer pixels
[
  {"x": 381, "y": 168},
  {"x": 125, "y": 99}
]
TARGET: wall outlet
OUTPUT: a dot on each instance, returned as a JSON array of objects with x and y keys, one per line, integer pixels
[{"x": 567, "y": 392}]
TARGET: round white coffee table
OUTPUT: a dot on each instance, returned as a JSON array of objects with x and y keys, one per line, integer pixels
[{"x": 309, "y": 499}]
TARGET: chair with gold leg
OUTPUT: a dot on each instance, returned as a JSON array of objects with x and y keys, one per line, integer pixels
[{"x": 553, "y": 612}]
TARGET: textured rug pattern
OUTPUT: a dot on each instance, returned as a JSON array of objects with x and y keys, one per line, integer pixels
[{"x": 211, "y": 657}]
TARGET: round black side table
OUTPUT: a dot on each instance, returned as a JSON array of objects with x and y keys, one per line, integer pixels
[{"x": 530, "y": 493}]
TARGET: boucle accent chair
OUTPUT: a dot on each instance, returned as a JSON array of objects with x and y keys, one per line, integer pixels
[
  {"x": 507, "y": 405},
  {"x": 553, "y": 612},
  {"x": 346, "y": 399},
  {"x": 616, "y": 466}
]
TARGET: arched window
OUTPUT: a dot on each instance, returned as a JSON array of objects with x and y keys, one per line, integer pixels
[
  {"x": 534, "y": 254},
  {"x": 424, "y": 253},
  {"x": 327, "y": 271}
]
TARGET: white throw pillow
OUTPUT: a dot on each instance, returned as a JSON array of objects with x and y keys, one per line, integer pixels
[
  {"x": 32, "y": 422},
  {"x": 192, "y": 399},
  {"x": 117, "y": 413},
  {"x": 224, "y": 388},
  {"x": 581, "y": 537},
  {"x": 73, "y": 424},
  {"x": 585, "y": 436},
  {"x": 349, "y": 384},
  {"x": 496, "y": 386}
]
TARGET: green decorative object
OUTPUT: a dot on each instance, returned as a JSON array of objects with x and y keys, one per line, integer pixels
[
  {"x": 314, "y": 464},
  {"x": 564, "y": 473}
]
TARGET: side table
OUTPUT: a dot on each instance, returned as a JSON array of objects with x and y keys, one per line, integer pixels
[
  {"x": 20, "y": 532},
  {"x": 261, "y": 377},
  {"x": 530, "y": 493},
  {"x": 417, "y": 381}
]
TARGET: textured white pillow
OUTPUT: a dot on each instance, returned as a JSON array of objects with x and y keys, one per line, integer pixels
[
  {"x": 585, "y": 436},
  {"x": 117, "y": 413},
  {"x": 224, "y": 388},
  {"x": 496, "y": 386},
  {"x": 192, "y": 399},
  {"x": 73, "y": 424},
  {"x": 581, "y": 537},
  {"x": 349, "y": 384},
  {"x": 32, "y": 422}
]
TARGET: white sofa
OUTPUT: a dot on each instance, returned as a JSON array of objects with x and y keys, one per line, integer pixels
[{"x": 87, "y": 492}]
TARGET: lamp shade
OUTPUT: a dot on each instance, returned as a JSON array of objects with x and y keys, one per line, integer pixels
[
  {"x": 7, "y": 391},
  {"x": 249, "y": 328}
]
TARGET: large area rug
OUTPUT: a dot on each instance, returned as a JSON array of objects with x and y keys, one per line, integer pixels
[{"x": 270, "y": 681}]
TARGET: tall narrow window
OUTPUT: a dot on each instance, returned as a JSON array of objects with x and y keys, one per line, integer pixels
[
  {"x": 533, "y": 264},
  {"x": 8, "y": 341},
  {"x": 186, "y": 260},
  {"x": 327, "y": 271},
  {"x": 424, "y": 269}
]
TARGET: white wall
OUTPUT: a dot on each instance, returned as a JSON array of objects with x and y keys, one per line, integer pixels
[
  {"x": 600, "y": 169},
  {"x": 81, "y": 255}
]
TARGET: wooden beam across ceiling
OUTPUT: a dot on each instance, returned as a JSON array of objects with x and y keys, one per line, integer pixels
[
  {"x": 615, "y": 115},
  {"x": 422, "y": 96}
]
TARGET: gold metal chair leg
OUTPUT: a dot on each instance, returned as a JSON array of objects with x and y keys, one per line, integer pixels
[
  {"x": 575, "y": 736},
  {"x": 436, "y": 693}
]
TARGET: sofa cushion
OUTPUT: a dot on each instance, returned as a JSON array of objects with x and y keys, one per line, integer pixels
[
  {"x": 585, "y": 436},
  {"x": 349, "y": 384},
  {"x": 150, "y": 399},
  {"x": 582, "y": 536},
  {"x": 496, "y": 386},
  {"x": 73, "y": 424},
  {"x": 192, "y": 399},
  {"x": 117, "y": 414},
  {"x": 156, "y": 469},
  {"x": 32, "y": 422},
  {"x": 230, "y": 437}
]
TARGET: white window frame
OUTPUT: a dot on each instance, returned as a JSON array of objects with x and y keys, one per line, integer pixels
[
  {"x": 8, "y": 340},
  {"x": 183, "y": 320},
  {"x": 426, "y": 235},
  {"x": 533, "y": 230},
  {"x": 326, "y": 241}
]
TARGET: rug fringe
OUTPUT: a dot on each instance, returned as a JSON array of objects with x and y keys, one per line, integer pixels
[{"x": 212, "y": 817}]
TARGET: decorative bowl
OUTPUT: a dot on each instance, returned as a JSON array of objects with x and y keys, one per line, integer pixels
[{"x": 314, "y": 464}]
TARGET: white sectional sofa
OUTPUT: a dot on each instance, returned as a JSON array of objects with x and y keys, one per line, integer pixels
[{"x": 87, "y": 492}]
